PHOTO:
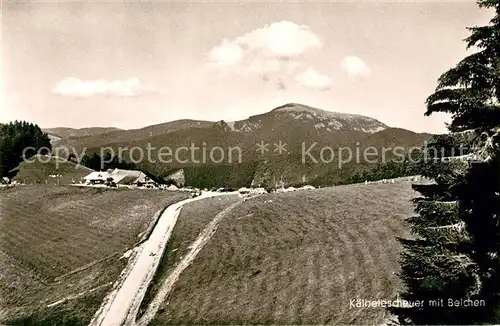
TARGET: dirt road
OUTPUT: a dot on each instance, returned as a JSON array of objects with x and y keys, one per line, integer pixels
[
  {"x": 196, "y": 247},
  {"x": 121, "y": 304}
]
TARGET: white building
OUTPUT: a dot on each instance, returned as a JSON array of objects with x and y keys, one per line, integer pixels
[
  {"x": 120, "y": 177},
  {"x": 96, "y": 177},
  {"x": 128, "y": 177}
]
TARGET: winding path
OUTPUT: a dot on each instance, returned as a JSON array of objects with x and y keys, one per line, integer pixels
[
  {"x": 122, "y": 303},
  {"x": 168, "y": 284}
]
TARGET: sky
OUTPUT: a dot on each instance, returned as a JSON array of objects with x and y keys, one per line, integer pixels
[{"x": 130, "y": 64}]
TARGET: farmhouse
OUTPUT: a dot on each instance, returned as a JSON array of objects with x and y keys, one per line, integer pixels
[
  {"x": 96, "y": 178},
  {"x": 251, "y": 191},
  {"x": 128, "y": 177},
  {"x": 120, "y": 177}
]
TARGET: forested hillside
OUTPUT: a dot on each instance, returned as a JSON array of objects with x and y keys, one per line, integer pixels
[{"x": 20, "y": 140}]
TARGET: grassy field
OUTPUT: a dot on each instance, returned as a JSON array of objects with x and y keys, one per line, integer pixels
[
  {"x": 297, "y": 258},
  {"x": 42, "y": 167},
  {"x": 67, "y": 242}
]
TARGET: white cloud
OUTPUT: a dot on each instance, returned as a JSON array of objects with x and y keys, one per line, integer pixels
[
  {"x": 226, "y": 54},
  {"x": 283, "y": 39},
  {"x": 267, "y": 49},
  {"x": 355, "y": 67},
  {"x": 312, "y": 79},
  {"x": 274, "y": 53},
  {"x": 80, "y": 88}
]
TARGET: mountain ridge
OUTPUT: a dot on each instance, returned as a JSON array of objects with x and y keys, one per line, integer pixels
[
  {"x": 295, "y": 125},
  {"x": 66, "y": 132}
]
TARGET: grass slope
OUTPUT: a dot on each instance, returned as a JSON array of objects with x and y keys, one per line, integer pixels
[
  {"x": 49, "y": 233},
  {"x": 42, "y": 167},
  {"x": 297, "y": 258}
]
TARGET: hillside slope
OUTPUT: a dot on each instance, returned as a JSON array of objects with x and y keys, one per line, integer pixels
[
  {"x": 50, "y": 170},
  {"x": 67, "y": 242},
  {"x": 297, "y": 258},
  {"x": 293, "y": 167},
  {"x": 117, "y": 136},
  {"x": 296, "y": 126},
  {"x": 290, "y": 123},
  {"x": 392, "y": 137}
]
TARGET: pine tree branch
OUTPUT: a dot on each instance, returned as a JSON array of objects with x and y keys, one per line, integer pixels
[
  {"x": 458, "y": 226},
  {"x": 466, "y": 132},
  {"x": 479, "y": 36},
  {"x": 467, "y": 157},
  {"x": 450, "y": 202}
]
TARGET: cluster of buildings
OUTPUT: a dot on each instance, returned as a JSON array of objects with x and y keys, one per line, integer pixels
[
  {"x": 283, "y": 189},
  {"x": 251, "y": 191},
  {"x": 119, "y": 177},
  {"x": 259, "y": 191}
]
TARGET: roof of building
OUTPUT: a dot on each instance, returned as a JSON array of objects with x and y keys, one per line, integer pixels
[
  {"x": 128, "y": 179},
  {"x": 97, "y": 176},
  {"x": 119, "y": 176},
  {"x": 127, "y": 176}
]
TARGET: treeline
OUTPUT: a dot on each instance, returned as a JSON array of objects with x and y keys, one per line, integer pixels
[
  {"x": 410, "y": 165},
  {"x": 17, "y": 136},
  {"x": 221, "y": 175},
  {"x": 419, "y": 161},
  {"x": 205, "y": 176},
  {"x": 108, "y": 161},
  {"x": 200, "y": 176}
]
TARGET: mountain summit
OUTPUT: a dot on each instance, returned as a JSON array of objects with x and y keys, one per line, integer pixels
[
  {"x": 298, "y": 116},
  {"x": 337, "y": 120}
]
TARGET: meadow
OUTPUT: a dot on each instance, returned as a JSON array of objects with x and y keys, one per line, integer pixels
[
  {"x": 297, "y": 258},
  {"x": 62, "y": 247},
  {"x": 50, "y": 170}
]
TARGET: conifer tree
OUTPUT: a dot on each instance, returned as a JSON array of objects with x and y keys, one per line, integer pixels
[
  {"x": 17, "y": 136},
  {"x": 455, "y": 252}
]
